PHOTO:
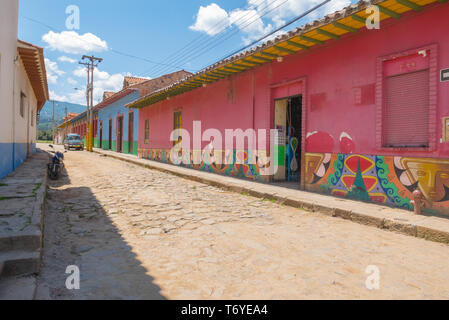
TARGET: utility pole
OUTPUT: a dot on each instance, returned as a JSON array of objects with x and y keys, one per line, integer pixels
[
  {"x": 65, "y": 127},
  {"x": 53, "y": 123},
  {"x": 90, "y": 62}
]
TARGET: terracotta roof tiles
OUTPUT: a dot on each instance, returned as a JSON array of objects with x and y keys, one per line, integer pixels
[{"x": 131, "y": 81}]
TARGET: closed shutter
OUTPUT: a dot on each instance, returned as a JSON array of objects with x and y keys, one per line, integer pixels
[{"x": 406, "y": 122}]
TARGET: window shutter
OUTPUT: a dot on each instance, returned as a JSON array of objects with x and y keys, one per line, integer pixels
[{"x": 406, "y": 122}]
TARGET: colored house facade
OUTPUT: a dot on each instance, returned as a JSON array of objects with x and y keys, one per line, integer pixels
[
  {"x": 118, "y": 126},
  {"x": 79, "y": 124},
  {"x": 23, "y": 91},
  {"x": 65, "y": 128},
  {"x": 360, "y": 113}
]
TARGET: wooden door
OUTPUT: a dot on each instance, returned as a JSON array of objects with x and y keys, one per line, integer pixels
[
  {"x": 110, "y": 134},
  {"x": 120, "y": 134},
  {"x": 131, "y": 132}
]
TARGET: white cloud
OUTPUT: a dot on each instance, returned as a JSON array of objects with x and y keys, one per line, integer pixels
[
  {"x": 74, "y": 43},
  {"x": 103, "y": 81},
  {"x": 211, "y": 20},
  {"x": 78, "y": 97},
  {"x": 80, "y": 72},
  {"x": 260, "y": 17},
  {"x": 293, "y": 8},
  {"x": 72, "y": 81},
  {"x": 67, "y": 59},
  {"x": 250, "y": 23},
  {"x": 53, "y": 71},
  {"x": 128, "y": 74},
  {"x": 336, "y": 5},
  {"x": 54, "y": 96}
]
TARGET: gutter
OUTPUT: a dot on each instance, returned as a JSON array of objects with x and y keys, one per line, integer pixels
[{"x": 14, "y": 113}]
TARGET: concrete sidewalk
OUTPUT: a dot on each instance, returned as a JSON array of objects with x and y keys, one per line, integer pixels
[
  {"x": 431, "y": 228},
  {"x": 22, "y": 196}
]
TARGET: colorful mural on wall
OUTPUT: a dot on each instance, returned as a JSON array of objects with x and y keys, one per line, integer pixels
[
  {"x": 383, "y": 179},
  {"x": 240, "y": 167}
]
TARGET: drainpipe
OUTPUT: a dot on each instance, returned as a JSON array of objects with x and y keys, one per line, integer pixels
[{"x": 14, "y": 114}]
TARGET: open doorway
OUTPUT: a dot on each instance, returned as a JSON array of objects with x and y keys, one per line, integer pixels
[{"x": 288, "y": 122}]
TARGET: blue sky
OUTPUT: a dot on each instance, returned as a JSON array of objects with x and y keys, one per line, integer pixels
[{"x": 163, "y": 35}]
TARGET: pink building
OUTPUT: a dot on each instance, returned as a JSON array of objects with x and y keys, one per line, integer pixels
[{"x": 361, "y": 113}]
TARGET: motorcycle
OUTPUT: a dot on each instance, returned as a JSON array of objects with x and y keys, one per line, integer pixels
[{"x": 55, "y": 165}]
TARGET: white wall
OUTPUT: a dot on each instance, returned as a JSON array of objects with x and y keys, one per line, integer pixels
[
  {"x": 8, "y": 52},
  {"x": 23, "y": 85},
  {"x": 17, "y": 131}
]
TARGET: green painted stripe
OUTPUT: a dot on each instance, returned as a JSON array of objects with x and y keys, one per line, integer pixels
[
  {"x": 410, "y": 4},
  {"x": 308, "y": 39},
  {"x": 345, "y": 27},
  {"x": 328, "y": 34},
  {"x": 389, "y": 12}
]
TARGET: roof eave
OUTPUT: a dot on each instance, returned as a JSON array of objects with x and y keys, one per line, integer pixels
[{"x": 34, "y": 63}]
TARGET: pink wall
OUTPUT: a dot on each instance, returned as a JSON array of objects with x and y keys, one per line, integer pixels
[
  {"x": 221, "y": 105},
  {"x": 332, "y": 72}
]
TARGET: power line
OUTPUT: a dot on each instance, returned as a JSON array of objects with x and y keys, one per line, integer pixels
[
  {"x": 110, "y": 49},
  {"x": 231, "y": 35},
  {"x": 215, "y": 29},
  {"x": 199, "y": 51},
  {"x": 274, "y": 31},
  {"x": 205, "y": 47},
  {"x": 220, "y": 24}
]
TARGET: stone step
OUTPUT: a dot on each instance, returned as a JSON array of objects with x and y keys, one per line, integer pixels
[
  {"x": 17, "y": 288},
  {"x": 29, "y": 241},
  {"x": 20, "y": 262}
]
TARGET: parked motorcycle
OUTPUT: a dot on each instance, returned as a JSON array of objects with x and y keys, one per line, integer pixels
[{"x": 56, "y": 164}]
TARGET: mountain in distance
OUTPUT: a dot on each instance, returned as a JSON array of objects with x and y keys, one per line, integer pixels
[{"x": 46, "y": 114}]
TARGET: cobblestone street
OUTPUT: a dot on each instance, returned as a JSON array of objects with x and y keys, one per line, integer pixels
[{"x": 138, "y": 233}]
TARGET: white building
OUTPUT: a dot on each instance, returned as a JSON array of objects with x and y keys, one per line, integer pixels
[{"x": 23, "y": 91}]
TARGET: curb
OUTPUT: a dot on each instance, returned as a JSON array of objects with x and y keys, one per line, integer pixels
[
  {"x": 39, "y": 212},
  {"x": 357, "y": 215},
  {"x": 38, "y": 218}
]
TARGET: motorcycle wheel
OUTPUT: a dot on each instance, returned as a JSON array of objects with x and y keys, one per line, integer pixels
[{"x": 53, "y": 175}]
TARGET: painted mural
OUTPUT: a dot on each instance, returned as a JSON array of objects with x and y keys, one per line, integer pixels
[
  {"x": 240, "y": 167},
  {"x": 383, "y": 179}
]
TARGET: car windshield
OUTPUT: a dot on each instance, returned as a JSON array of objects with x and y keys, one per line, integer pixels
[{"x": 73, "y": 138}]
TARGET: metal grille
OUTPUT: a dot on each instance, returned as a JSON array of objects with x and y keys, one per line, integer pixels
[{"x": 406, "y": 121}]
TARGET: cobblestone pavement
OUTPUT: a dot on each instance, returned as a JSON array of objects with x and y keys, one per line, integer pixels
[{"x": 138, "y": 233}]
